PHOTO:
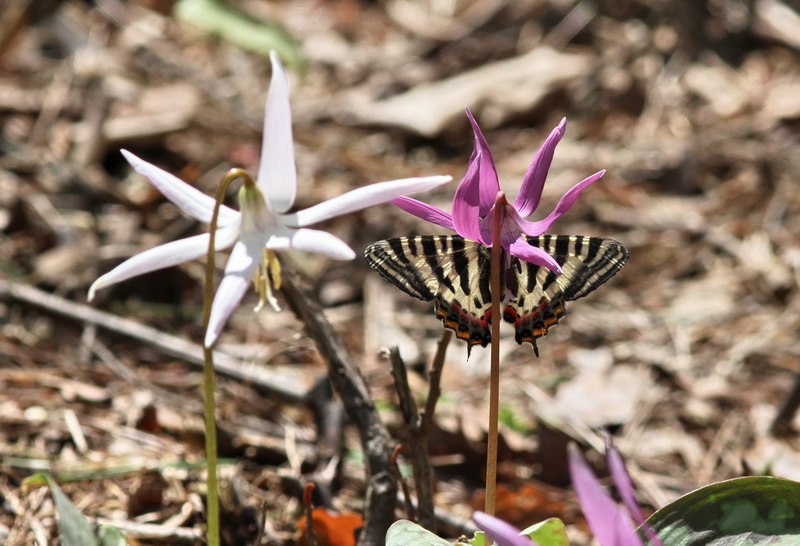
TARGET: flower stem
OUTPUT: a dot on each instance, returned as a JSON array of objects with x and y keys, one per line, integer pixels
[
  {"x": 494, "y": 376},
  {"x": 208, "y": 364}
]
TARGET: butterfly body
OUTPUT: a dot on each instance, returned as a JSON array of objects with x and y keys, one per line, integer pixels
[{"x": 455, "y": 273}]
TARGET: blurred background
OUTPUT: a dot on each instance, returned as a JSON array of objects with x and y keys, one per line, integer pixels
[{"x": 687, "y": 358}]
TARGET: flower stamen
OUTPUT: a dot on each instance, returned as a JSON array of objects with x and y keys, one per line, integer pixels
[{"x": 266, "y": 278}]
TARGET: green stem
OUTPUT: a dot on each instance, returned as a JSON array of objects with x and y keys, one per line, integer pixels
[
  {"x": 208, "y": 364},
  {"x": 494, "y": 376}
]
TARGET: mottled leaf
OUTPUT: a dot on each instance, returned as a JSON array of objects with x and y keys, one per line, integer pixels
[{"x": 745, "y": 511}]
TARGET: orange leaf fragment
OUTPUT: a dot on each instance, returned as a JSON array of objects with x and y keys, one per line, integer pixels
[{"x": 330, "y": 528}]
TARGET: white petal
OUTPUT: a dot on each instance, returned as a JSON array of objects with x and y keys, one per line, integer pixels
[
  {"x": 362, "y": 198},
  {"x": 312, "y": 240},
  {"x": 163, "y": 256},
  {"x": 277, "y": 174},
  {"x": 188, "y": 198},
  {"x": 243, "y": 262}
]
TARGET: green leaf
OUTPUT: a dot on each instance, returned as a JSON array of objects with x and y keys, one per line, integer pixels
[
  {"x": 479, "y": 539},
  {"x": 237, "y": 28},
  {"x": 550, "y": 532},
  {"x": 74, "y": 528},
  {"x": 111, "y": 536},
  {"x": 744, "y": 511},
  {"x": 408, "y": 533},
  {"x": 511, "y": 418}
]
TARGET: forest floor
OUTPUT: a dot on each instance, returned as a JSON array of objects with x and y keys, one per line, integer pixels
[{"x": 685, "y": 359}]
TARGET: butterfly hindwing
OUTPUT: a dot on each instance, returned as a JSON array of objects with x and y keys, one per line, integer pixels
[
  {"x": 450, "y": 270},
  {"x": 539, "y": 296}
]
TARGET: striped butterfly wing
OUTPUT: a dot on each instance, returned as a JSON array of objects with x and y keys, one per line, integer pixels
[
  {"x": 455, "y": 273},
  {"x": 539, "y": 296},
  {"x": 450, "y": 270}
]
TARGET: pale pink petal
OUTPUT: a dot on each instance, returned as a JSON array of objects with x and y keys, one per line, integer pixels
[
  {"x": 361, "y": 198},
  {"x": 467, "y": 204},
  {"x": 611, "y": 525},
  {"x": 187, "y": 198},
  {"x": 427, "y": 212},
  {"x": 567, "y": 200},
  {"x": 501, "y": 532},
  {"x": 163, "y": 256},
  {"x": 535, "y": 255},
  {"x": 622, "y": 481},
  {"x": 277, "y": 173},
  {"x": 242, "y": 263},
  {"x": 311, "y": 240},
  {"x": 487, "y": 173},
  {"x": 532, "y": 185}
]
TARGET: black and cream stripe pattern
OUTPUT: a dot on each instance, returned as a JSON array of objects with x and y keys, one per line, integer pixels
[{"x": 455, "y": 273}]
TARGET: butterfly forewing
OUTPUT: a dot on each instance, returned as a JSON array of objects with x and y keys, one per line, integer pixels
[
  {"x": 455, "y": 273},
  {"x": 450, "y": 270}
]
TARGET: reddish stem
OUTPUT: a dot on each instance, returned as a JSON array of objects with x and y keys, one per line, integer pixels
[{"x": 494, "y": 377}]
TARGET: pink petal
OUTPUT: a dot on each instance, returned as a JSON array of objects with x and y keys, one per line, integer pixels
[
  {"x": 361, "y": 198},
  {"x": 611, "y": 525},
  {"x": 425, "y": 211},
  {"x": 567, "y": 200},
  {"x": 535, "y": 255},
  {"x": 242, "y": 263},
  {"x": 622, "y": 481},
  {"x": 467, "y": 203},
  {"x": 163, "y": 256},
  {"x": 501, "y": 532},
  {"x": 189, "y": 199},
  {"x": 532, "y": 185},
  {"x": 277, "y": 173},
  {"x": 487, "y": 173}
]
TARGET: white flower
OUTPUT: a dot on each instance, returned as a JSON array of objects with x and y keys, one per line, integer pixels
[{"x": 263, "y": 224}]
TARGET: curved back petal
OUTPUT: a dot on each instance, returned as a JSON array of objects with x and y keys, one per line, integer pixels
[{"x": 532, "y": 185}]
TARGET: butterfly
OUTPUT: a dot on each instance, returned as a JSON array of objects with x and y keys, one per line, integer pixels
[{"x": 455, "y": 273}]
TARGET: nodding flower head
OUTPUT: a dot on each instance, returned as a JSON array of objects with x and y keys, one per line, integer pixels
[
  {"x": 474, "y": 201},
  {"x": 263, "y": 223}
]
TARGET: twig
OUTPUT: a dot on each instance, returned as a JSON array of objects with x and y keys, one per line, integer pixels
[
  {"x": 74, "y": 428},
  {"x": 151, "y": 530},
  {"x": 308, "y": 491},
  {"x": 409, "y": 508},
  {"x": 353, "y": 390},
  {"x": 417, "y": 443},
  {"x": 782, "y": 425},
  {"x": 435, "y": 378},
  {"x": 284, "y": 385},
  {"x": 330, "y": 420}
]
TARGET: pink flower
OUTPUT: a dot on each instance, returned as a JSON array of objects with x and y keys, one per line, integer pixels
[
  {"x": 474, "y": 201},
  {"x": 611, "y": 524}
]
